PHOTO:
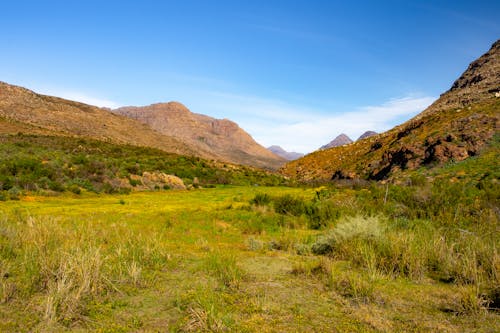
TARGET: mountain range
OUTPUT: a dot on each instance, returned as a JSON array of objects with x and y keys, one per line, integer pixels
[
  {"x": 458, "y": 125},
  {"x": 170, "y": 127},
  {"x": 343, "y": 139},
  {"x": 289, "y": 156}
]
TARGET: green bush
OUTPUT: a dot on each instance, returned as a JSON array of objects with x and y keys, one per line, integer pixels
[
  {"x": 261, "y": 199},
  {"x": 289, "y": 205},
  {"x": 321, "y": 214},
  {"x": 75, "y": 189},
  {"x": 14, "y": 193}
]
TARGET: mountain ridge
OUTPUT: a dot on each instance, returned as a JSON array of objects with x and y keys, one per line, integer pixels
[
  {"x": 223, "y": 138},
  {"x": 290, "y": 156},
  {"x": 25, "y": 111}
]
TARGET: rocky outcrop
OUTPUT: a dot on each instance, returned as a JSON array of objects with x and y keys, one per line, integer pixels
[
  {"x": 480, "y": 81},
  {"x": 154, "y": 180}
]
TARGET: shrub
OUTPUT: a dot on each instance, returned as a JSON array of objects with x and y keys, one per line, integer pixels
[
  {"x": 261, "y": 199},
  {"x": 289, "y": 205},
  {"x": 14, "y": 193},
  {"x": 75, "y": 189},
  {"x": 321, "y": 213}
]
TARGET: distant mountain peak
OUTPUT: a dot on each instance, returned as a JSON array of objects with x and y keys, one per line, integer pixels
[
  {"x": 366, "y": 134},
  {"x": 340, "y": 140},
  {"x": 290, "y": 156}
]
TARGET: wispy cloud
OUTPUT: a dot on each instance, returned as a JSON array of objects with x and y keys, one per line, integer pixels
[
  {"x": 308, "y": 135},
  {"x": 304, "y": 129},
  {"x": 275, "y": 122},
  {"x": 80, "y": 97}
]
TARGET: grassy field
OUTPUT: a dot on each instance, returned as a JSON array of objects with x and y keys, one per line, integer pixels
[{"x": 244, "y": 259}]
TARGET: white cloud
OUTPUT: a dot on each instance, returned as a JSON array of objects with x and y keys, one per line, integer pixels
[
  {"x": 303, "y": 129},
  {"x": 80, "y": 97},
  {"x": 309, "y": 135}
]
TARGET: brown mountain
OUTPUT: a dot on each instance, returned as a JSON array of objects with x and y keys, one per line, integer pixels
[
  {"x": 340, "y": 140},
  {"x": 289, "y": 156},
  {"x": 222, "y": 138},
  {"x": 366, "y": 134},
  {"x": 22, "y": 110},
  {"x": 456, "y": 126}
]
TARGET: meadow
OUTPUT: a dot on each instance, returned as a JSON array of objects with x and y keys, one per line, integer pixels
[{"x": 347, "y": 258}]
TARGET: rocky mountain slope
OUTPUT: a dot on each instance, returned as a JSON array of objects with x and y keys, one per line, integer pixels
[
  {"x": 222, "y": 138},
  {"x": 22, "y": 110},
  {"x": 455, "y": 127},
  {"x": 340, "y": 140},
  {"x": 289, "y": 156}
]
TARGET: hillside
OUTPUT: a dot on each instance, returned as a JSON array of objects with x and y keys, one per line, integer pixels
[
  {"x": 290, "y": 156},
  {"x": 222, "y": 138},
  {"x": 48, "y": 164},
  {"x": 22, "y": 110},
  {"x": 455, "y": 127}
]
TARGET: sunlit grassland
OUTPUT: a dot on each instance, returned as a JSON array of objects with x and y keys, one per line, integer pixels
[{"x": 223, "y": 259}]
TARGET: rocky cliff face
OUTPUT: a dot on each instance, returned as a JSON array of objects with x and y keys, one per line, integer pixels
[
  {"x": 340, "y": 140},
  {"x": 222, "y": 138},
  {"x": 455, "y": 127},
  {"x": 481, "y": 81}
]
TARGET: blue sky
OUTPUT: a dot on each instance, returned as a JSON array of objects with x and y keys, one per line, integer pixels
[{"x": 293, "y": 73}]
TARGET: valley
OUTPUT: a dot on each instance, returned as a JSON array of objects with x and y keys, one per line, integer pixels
[
  {"x": 158, "y": 219},
  {"x": 261, "y": 259}
]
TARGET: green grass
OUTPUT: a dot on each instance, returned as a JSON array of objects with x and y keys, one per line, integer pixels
[{"x": 225, "y": 259}]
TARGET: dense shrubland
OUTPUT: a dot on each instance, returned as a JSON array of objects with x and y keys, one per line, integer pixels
[{"x": 57, "y": 164}]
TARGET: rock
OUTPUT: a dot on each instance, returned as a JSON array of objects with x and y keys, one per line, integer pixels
[{"x": 153, "y": 179}]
